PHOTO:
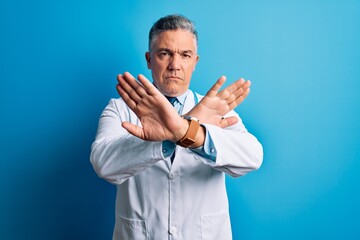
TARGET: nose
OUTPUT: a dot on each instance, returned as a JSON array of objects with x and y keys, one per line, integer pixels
[{"x": 174, "y": 63}]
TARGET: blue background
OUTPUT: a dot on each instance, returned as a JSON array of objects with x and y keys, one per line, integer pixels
[{"x": 59, "y": 61}]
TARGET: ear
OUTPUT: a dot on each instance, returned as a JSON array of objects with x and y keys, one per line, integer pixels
[
  {"x": 148, "y": 59},
  {"x": 196, "y": 61}
]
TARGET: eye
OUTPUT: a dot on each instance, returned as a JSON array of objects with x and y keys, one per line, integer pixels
[
  {"x": 164, "y": 54},
  {"x": 186, "y": 55}
]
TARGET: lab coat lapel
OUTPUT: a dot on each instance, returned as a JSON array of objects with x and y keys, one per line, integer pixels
[{"x": 189, "y": 102}]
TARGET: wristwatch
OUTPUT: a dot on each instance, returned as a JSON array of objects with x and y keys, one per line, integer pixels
[{"x": 190, "y": 135}]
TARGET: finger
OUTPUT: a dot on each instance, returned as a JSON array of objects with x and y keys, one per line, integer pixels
[
  {"x": 224, "y": 94},
  {"x": 216, "y": 87},
  {"x": 239, "y": 100},
  {"x": 131, "y": 92},
  {"x": 239, "y": 92},
  {"x": 133, "y": 129},
  {"x": 148, "y": 86},
  {"x": 247, "y": 84},
  {"x": 131, "y": 80},
  {"x": 138, "y": 87},
  {"x": 236, "y": 85},
  {"x": 231, "y": 98},
  {"x": 127, "y": 99},
  {"x": 153, "y": 91},
  {"x": 228, "y": 121},
  {"x": 243, "y": 90}
]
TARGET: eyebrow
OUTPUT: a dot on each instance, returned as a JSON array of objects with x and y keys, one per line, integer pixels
[{"x": 171, "y": 51}]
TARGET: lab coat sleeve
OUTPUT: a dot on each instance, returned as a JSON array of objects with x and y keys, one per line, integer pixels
[
  {"x": 237, "y": 151},
  {"x": 117, "y": 155}
]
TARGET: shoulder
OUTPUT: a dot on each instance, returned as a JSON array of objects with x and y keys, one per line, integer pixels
[
  {"x": 197, "y": 96},
  {"x": 117, "y": 106},
  {"x": 117, "y": 103}
]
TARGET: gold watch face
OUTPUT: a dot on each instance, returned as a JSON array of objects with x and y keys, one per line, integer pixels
[{"x": 189, "y": 118}]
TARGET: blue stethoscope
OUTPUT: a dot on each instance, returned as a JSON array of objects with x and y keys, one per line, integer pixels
[{"x": 196, "y": 99}]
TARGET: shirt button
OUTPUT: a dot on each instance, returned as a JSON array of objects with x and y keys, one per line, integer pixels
[
  {"x": 164, "y": 150},
  {"x": 212, "y": 150},
  {"x": 171, "y": 176},
  {"x": 172, "y": 230}
]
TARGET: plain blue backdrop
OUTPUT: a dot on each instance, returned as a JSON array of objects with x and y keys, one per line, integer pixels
[{"x": 59, "y": 61}]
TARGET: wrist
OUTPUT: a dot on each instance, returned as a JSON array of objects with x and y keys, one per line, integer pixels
[
  {"x": 190, "y": 137},
  {"x": 200, "y": 137},
  {"x": 184, "y": 126}
]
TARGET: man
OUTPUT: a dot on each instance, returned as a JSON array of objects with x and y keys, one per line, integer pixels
[{"x": 168, "y": 162}]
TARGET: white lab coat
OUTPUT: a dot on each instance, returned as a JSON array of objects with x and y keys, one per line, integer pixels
[{"x": 158, "y": 200}]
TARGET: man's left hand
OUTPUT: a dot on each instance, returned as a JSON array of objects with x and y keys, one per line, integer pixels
[{"x": 215, "y": 104}]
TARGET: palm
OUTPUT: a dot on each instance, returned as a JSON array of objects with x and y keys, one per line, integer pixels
[
  {"x": 213, "y": 108},
  {"x": 215, "y": 105},
  {"x": 158, "y": 118}
]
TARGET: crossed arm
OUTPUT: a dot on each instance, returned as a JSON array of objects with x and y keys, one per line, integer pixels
[{"x": 159, "y": 119}]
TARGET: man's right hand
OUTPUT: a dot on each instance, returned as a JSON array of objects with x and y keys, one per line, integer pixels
[{"x": 159, "y": 120}]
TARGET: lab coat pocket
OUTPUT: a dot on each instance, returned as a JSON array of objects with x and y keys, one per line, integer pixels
[
  {"x": 216, "y": 226},
  {"x": 130, "y": 229}
]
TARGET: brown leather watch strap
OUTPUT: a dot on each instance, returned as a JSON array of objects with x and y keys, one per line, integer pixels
[{"x": 190, "y": 135}]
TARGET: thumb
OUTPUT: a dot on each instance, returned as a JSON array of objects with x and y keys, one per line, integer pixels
[
  {"x": 229, "y": 121},
  {"x": 133, "y": 129}
]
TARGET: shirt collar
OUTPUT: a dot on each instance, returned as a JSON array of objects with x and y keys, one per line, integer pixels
[{"x": 182, "y": 97}]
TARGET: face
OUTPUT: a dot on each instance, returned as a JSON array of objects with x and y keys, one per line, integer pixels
[{"x": 172, "y": 60}]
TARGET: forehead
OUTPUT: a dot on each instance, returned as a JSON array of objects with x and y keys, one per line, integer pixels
[{"x": 176, "y": 40}]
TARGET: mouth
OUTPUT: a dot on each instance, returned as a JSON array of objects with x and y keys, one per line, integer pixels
[{"x": 173, "y": 78}]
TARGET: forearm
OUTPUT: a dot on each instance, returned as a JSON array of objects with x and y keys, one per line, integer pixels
[
  {"x": 116, "y": 154},
  {"x": 118, "y": 158},
  {"x": 237, "y": 151}
]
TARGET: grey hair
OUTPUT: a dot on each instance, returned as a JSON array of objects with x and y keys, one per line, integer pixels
[{"x": 171, "y": 22}]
